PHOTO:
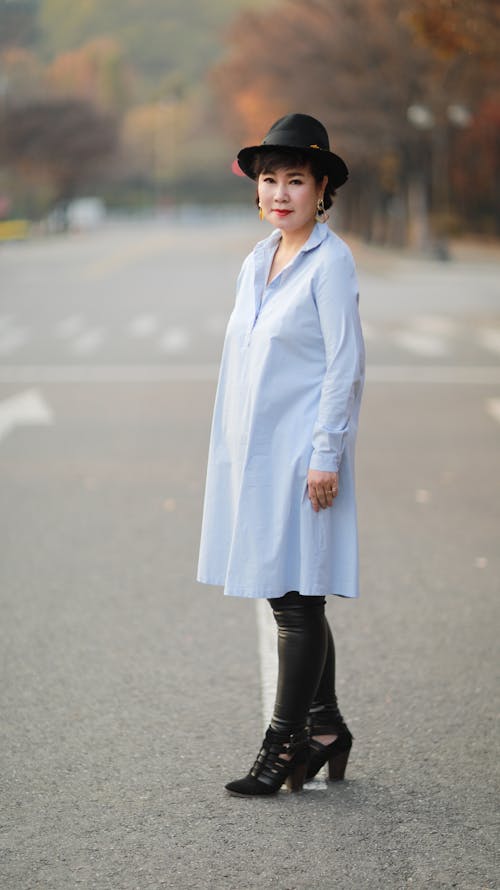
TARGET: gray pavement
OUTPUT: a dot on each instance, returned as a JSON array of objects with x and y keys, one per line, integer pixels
[{"x": 129, "y": 693}]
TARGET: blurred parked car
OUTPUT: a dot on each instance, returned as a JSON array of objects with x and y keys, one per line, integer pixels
[{"x": 84, "y": 214}]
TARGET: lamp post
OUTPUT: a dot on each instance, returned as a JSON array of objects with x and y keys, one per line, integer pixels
[{"x": 424, "y": 119}]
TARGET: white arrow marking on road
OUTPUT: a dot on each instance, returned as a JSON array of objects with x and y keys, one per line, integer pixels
[
  {"x": 493, "y": 408},
  {"x": 28, "y": 407}
]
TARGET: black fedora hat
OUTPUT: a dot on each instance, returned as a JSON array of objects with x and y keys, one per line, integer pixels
[{"x": 305, "y": 133}]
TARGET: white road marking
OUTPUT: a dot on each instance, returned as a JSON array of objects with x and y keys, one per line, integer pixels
[
  {"x": 87, "y": 342},
  {"x": 72, "y": 373},
  {"x": 28, "y": 407},
  {"x": 435, "y": 325},
  {"x": 143, "y": 326},
  {"x": 12, "y": 338},
  {"x": 489, "y": 338},
  {"x": 369, "y": 331},
  {"x": 216, "y": 324},
  {"x": 459, "y": 375},
  {"x": 5, "y": 321},
  {"x": 422, "y": 496},
  {"x": 175, "y": 340},
  {"x": 268, "y": 658},
  {"x": 70, "y": 326},
  {"x": 493, "y": 408},
  {"x": 421, "y": 343},
  {"x": 484, "y": 375}
]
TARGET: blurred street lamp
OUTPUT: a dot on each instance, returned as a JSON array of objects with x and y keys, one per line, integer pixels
[
  {"x": 424, "y": 119},
  {"x": 459, "y": 115},
  {"x": 421, "y": 117}
]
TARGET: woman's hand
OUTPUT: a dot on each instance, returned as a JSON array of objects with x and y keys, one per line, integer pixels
[{"x": 323, "y": 488}]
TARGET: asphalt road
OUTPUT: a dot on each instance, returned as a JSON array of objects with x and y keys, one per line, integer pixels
[{"x": 130, "y": 694}]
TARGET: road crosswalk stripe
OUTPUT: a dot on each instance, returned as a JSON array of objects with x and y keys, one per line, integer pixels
[
  {"x": 434, "y": 325},
  {"x": 489, "y": 338},
  {"x": 70, "y": 326},
  {"x": 87, "y": 342},
  {"x": 493, "y": 408},
  {"x": 12, "y": 338},
  {"x": 460, "y": 375},
  {"x": 143, "y": 326},
  {"x": 427, "y": 345},
  {"x": 175, "y": 340},
  {"x": 427, "y": 337}
]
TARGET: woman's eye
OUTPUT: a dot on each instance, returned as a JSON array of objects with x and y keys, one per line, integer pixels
[
  {"x": 296, "y": 182},
  {"x": 268, "y": 179}
]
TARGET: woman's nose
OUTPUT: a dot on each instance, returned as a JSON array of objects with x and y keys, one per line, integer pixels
[{"x": 281, "y": 192}]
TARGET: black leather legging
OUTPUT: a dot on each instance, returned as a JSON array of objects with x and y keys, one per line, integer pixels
[{"x": 306, "y": 661}]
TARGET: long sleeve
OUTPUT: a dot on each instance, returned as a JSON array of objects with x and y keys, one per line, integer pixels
[{"x": 336, "y": 296}]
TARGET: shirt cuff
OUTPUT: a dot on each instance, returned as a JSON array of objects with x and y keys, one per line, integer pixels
[{"x": 327, "y": 463}]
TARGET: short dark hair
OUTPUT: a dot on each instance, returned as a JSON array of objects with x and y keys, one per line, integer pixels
[{"x": 270, "y": 160}]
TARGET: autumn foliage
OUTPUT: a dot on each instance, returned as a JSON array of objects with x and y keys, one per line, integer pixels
[
  {"x": 360, "y": 66},
  {"x": 152, "y": 97}
]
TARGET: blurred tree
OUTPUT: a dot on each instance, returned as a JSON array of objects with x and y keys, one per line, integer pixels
[
  {"x": 352, "y": 64},
  {"x": 22, "y": 74},
  {"x": 452, "y": 27},
  {"x": 64, "y": 141},
  {"x": 96, "y": 71},
  {"x": 465, "y": 36},
  {"x": 159, "y": 39},
  {"x": 357, "y": 66},
  {"x": 153, "y": 138},
  {"x": 18, "y": 22},
  {"x": 476, "y": 168}
]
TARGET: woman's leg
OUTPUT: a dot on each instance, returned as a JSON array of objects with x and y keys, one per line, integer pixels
[
  {"x": 302, "y": 649},
  {"x": 324, "y": 714},
  {"x": 330, "y": 740}
]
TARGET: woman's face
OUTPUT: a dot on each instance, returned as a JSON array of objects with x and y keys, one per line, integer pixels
[{"x": 289, "y": 197}]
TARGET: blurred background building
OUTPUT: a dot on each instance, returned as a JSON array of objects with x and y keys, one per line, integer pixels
[{"x": 144, "y": 105}]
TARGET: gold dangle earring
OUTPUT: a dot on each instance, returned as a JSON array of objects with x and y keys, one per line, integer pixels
[
  {"x": 321, "y": 214},
  {"x": 261, "y": 212}
]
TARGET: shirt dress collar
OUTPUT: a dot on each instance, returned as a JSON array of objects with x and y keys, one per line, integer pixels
[{"x": 264, "y": 252}]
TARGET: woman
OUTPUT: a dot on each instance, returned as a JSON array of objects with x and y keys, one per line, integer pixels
[{"x": 279, "y": 517}]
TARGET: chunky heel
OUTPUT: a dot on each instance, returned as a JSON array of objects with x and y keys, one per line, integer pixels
[
  {"x": 337, "y": 765},
  {"x": 281, "y": 759},
  {"x": 295, "y": 780},
  {"x": 336, "y": 754}
]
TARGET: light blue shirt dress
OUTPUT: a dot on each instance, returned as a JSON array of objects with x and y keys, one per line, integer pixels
[{"x": 288, "y": 399}]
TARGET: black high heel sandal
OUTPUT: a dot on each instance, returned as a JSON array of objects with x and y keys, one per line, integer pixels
[
  {"x": 271, "y": 770},
  {"x": 336, "y": 754}
]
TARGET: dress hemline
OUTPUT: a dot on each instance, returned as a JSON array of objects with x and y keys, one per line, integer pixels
[{"x": 250, "y": 593}]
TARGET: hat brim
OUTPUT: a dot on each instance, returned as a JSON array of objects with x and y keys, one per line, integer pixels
[{"x": 335, "y": 168}]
